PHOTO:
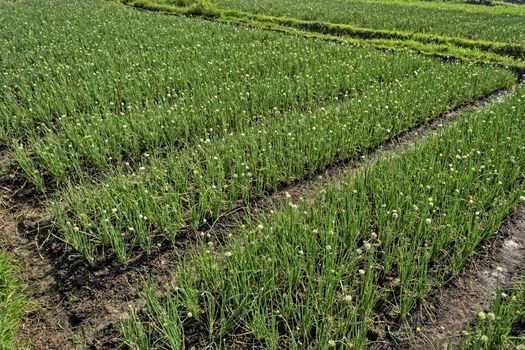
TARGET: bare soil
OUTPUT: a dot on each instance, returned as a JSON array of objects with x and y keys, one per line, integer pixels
[
  {"x": 80, "y": 306},
  {"x": 77, "y": 306}
]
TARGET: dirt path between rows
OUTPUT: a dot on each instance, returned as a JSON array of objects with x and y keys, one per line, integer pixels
[
  {"x": 502, "y": 263},
  {"x": 79, "y": 307}
]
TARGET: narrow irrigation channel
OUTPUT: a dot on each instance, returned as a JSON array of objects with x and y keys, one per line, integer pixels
[
  {"x": 502, "y": 263},
  {"x": 79, "y": 305}
]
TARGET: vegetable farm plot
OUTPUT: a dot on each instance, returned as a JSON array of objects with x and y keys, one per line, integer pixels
[
  {"x": 170, "y": 182},
  {"x": 460, "y": 30},
  {"x": 182, "y": 189},
  {"x": 12, "y": 303},
  {"x": 475, "y": 290},
  {"x": 221, "y": 79}
]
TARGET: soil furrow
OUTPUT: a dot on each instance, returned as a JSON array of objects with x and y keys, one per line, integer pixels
[
  {"x": 459, "y": 303},
  {"x": 80, "y": 306}
]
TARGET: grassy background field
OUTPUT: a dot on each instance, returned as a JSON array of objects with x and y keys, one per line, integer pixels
[{"x": 13, "y": 304}]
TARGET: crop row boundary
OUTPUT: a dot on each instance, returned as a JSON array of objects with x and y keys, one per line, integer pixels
[
  {"x": 338, "y": 175},
  {"x": 498, "y": 6},
  {"x": 499, "y": 266},
  {"x": 508, "y": 55},
  {"x": 82, "y": 309}
]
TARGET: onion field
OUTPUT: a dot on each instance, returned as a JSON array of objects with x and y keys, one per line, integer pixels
[{"x": 234, "y": 174}]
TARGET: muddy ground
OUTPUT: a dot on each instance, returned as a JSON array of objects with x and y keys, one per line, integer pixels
[{"x": 501, "y": 263}]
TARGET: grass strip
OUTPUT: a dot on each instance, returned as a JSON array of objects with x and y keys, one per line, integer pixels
[
  {"x": 325, "y": 274},
  {"x": 467, "y": 21},
  {"x": 516, "y": 51},
  {"x": 181, "y": 190},
  {"x": 76, "y": 103},
  {"x": 12, "y": 304},
  {"x": 433, "y": 49},
  {"x": 500, "y": 327}
]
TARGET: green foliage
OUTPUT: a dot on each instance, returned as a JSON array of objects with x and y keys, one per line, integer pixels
[
  {"x": 148, "y": 125},
  {"x": 500, "y": 327},
  {"x": 309, "y": 274},
  {"x": 12, "y": 304},
  {"x": 173, "y": 191},
  {"x": 494, "y": 23},
  {"x": 443, "y": 44}
]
